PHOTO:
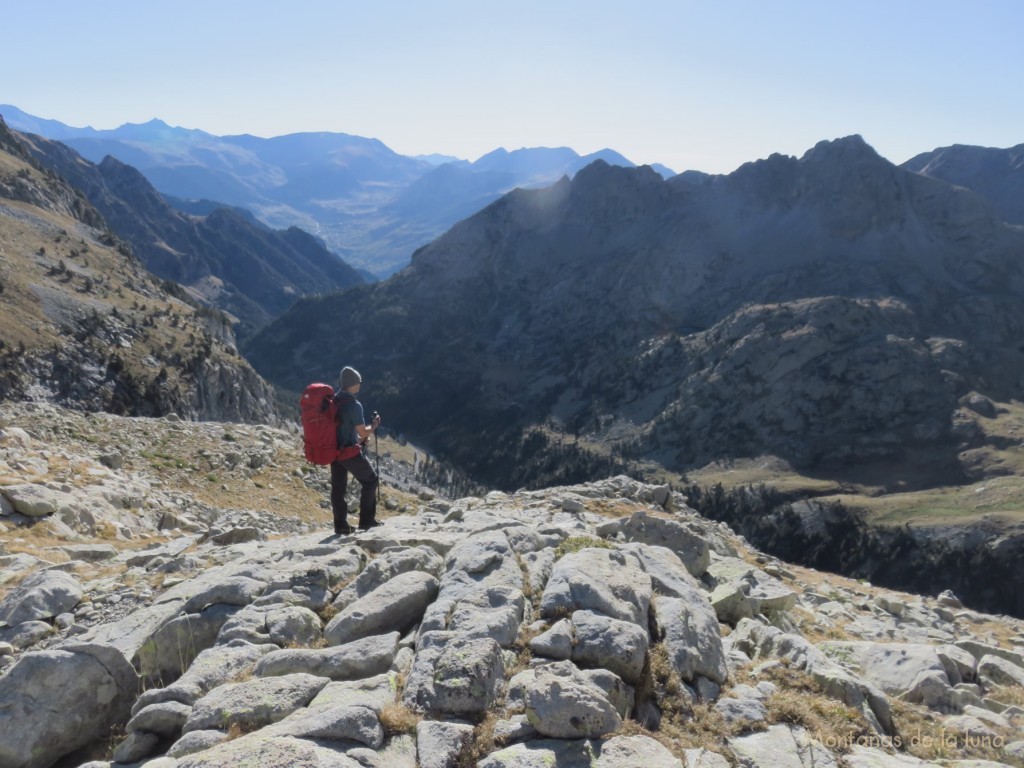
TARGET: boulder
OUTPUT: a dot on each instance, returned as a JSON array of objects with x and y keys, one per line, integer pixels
[
  {"x": 454, "y": 674},
  {"x": 911, "y": 670},
  {"x": 469, "y": 676},
  {"x": 603, "y": 642},
  {"x": 91, "y": 686},
  {"x": 254, "y": 703},
  {"x": 34, "y": 500},
  {"x": 732, "y": 580},
  {"x": 211, "y": 668},
  {"x": 689, "y": 629},
  {"x": 390, "y": 564},
  {"x": 268, "y": 751},
  {"x": 171, "y": 649},
  {"x": 396, "y": 606},
  {"x": 360, "y": 658},
  {"x": 1000, "y": 671},
  {"x": 634, "y": 752},
  {"x": 196, "y": 741},
  {"x": 555, "y": 643},
  {"x": 542, "y": 753},
  {"x": 233, "y": 590},
  {"x": 758, "y": 640},
  {"x": 164, "y": 719},
  {"x": 640, "y": 527},
  {"x": 782, "y": 746},
  {"x": 438, "y": 743},
  {"x": 603, "y": 580},
  {"x": 340, "y": 723},
  {"x": 42, "y": 595},
  {"x": 375, "y": 692},
  {"x": 489, "y": 611},
  {"x": 561, "y": 704}
]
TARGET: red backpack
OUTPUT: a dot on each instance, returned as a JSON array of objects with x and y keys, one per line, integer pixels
[{"x": 320, "y": 426}]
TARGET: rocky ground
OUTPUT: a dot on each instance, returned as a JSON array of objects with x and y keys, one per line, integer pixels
[{"x": 170, "y": 596}]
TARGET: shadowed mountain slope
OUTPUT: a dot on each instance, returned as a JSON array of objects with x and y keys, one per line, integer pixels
[{"x": 827, "y": 309}]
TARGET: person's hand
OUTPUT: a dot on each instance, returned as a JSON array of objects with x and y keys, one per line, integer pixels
[{"x": 376, "y": 420}]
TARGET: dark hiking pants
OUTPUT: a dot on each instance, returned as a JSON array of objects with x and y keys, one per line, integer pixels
[{"x": 363, "y": 472}]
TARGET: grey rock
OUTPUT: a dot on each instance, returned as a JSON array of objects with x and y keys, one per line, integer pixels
[
  {"x": 342, "y": 723},
  {"x": 489, "y": 611},
  {"x": 26, "y": 634},
  {"x": 234, "y": 590},
  {"x": 375, "y": 692},
  {"x": 669, "y": 576},
  {"x": 135, "y": 746},
  {"x": 470, "y": 673},
  {"x": 765, "y": 593},
  {"x": 555, "y": 643},
  {"x": 397, "y": 605},
  {"x": 515, "y": 728},
  {"x": 757, "y": 640},
  {"x": 293, "y": 625},
  {"x": 41, "y": 595},
  {"x": 211, "y": 668},
  {"x": 746, "y": 711},
  {"x": 690, "y": 547},
  {"x": 634, "y": 752},
  {"x": 360, "y": 658},
  {"x": 90, "y": 553},
  {"x": 1000, "y": 671},
  {"x": 382, "y": 569},
  {"x": 979, "y": 650},
  {"x": 781, "y": 746},
  {"x": 561, "y": 704},
  {"x": 165, "y": 719},
  {"x": 171, "y": 649},
  {"x": 91, "y": 686},
  {"x": 861, "y": 756},
  {"x": 960, "y": 665},
  {"x": 238, "y": 536},
  {"x": 196, "y": 741},
  {"x": 601, "y": 580},
  {"x": 268, "y": 751},
  {"x": 1015, "y": 749},
  {"x": 37, "y": 500},
  {"x": 438, "y": 743},
  {"x": 454, "y": 674},
  {"x": 544, "y": 753},
  {"x": 971, "y": 726},
  {"x": 689, "y": 629},
  {"x": 254, "y": 703},
  {"x": 704, "y": 758},
  {"x": 618, "y": 646},
  {"x": 912, "y": 670}
]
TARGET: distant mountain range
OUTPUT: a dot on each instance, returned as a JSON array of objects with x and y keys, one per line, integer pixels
[
  {"x": 224, "y": 256},
  {"x": 832, "y": 310},
  {"x": 370, "y": 205}
]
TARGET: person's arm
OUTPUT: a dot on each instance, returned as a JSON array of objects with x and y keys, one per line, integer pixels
[{"x": 365, "y": 431}]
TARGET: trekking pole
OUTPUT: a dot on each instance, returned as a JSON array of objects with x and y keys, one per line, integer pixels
[{"x": 376, "y": 454}]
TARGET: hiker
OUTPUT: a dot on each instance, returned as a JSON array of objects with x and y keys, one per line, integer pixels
[{"x": 352, "y": 434}]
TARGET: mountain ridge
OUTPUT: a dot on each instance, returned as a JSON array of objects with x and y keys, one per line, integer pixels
[{"x": 346, "y": 189}]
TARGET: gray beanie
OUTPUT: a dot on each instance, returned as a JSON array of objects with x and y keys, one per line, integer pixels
[{"x": 350, "y": 377}]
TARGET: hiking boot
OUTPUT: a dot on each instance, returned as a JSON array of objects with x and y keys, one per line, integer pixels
[
  {"x": 374, "y": 524},
  {"x": 344, "y": 530}
]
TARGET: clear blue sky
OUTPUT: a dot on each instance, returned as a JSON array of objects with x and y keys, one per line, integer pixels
[{"x": 695, "y": 85}]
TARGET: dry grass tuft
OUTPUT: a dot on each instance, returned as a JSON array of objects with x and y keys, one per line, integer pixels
[
  {"x": 397, "y": 719},
  {"x": 480, "y": 744},
  {"x": 921, "y": 733}
]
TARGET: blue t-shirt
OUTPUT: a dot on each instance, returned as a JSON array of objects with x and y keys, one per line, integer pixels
[{"x": 350, "y": 413}]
